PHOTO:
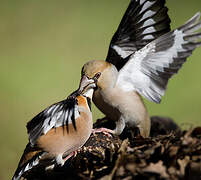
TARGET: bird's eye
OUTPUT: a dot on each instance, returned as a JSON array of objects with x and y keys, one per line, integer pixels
[{"x": 97, "y": 75}]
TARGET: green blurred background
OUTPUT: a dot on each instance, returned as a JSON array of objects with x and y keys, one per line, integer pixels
[{"x": 43, "y": 47}]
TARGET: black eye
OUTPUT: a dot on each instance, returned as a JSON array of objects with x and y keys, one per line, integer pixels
[{"x": 97, "y": 75}]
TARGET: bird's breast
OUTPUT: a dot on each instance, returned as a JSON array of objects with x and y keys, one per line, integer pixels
[
  {"x": 105, "y": 103},
  {"x": 116, "y": 102}
]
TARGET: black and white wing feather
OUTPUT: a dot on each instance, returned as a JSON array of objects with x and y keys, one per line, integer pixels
[
  {"x": 149, "y": 69},
  {"x": 143, "y": 22},
  {"x": 27, "y": 162},
  {"x": 59, "y": 114}
]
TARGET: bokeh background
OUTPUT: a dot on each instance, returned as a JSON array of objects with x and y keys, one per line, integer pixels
[{"x": 43, "y": 45}]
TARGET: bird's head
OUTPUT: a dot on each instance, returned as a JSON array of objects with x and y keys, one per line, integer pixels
[
  {"x": 106, "y": 72},
  {"x": 87, "y": 85}
]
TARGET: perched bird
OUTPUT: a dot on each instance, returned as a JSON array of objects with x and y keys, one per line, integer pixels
[
  {"x": 143, "y": 55},
  {"x": 143, "y": 22},
  {"x": 60, "y": 130}
]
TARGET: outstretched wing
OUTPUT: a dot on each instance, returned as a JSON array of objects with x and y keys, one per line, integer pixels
[
  {"x": 143, "y": 22},
  {"x": 58, "y": 114},
  {"x": 149, "y": 69}
]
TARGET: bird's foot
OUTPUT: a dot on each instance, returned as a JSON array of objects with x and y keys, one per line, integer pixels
[
  {"x": 61, "y": 161},
  {"x": 105, "y": 131},
  {"x": 74, "y": 154}
]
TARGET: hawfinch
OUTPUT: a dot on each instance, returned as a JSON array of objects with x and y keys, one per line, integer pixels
[
  {"x": 142, "y": 57},
  {"x": 60, "y": 130}
]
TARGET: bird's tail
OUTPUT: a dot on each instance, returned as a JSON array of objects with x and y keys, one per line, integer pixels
[{"x": 27, "y": 166}]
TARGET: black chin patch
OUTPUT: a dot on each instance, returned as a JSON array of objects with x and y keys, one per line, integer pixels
[
  {"x": 95, "y": 88},
  {"x": 89, "y": 102}
]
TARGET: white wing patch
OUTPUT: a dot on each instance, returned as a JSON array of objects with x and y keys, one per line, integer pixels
[
  {"x": 121, "y": 51},
  {"x": 143, "y": 21},
  {"x": 27, "y": 166},
  {"x": 146, "y": 5},
  {"x": 59, "y": 114},
  {"x": 131, "y": 72},
  {"x": 149, "y": 69},
  {"x": 58, "y": 120}
]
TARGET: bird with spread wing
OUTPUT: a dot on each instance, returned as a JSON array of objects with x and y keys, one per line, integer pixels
[{"x": 143, "y": 55}]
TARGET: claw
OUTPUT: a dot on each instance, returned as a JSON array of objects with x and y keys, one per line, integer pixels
[{"x": 105, "y": 131}]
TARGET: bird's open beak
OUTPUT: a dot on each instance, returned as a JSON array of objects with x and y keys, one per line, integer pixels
[{"x": 86, "y": 83}]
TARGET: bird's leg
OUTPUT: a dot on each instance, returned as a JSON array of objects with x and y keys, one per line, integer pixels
[
  {"x": 105, "y": 131},
  {"x": 120, "y": 125},
  {"x": 60, "y": 160},
  {"x": 74, "y": 154}
]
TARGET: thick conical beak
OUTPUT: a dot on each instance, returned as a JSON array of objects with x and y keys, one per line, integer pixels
[{"x": 86, "y": 84}]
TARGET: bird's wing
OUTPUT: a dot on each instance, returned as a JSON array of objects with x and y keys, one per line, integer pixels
[
  {"x": 143, "y": 22},
  {"x": 31, "y": 157},
  {"x": 149, "y": 69},
  {"x": 59, "y": 114}
]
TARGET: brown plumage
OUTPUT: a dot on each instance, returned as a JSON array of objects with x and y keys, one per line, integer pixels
[
  {"x": 114, "y": 102},
  {"x": 143, "y": 55},
  {"x": 60, "y": 130}
]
